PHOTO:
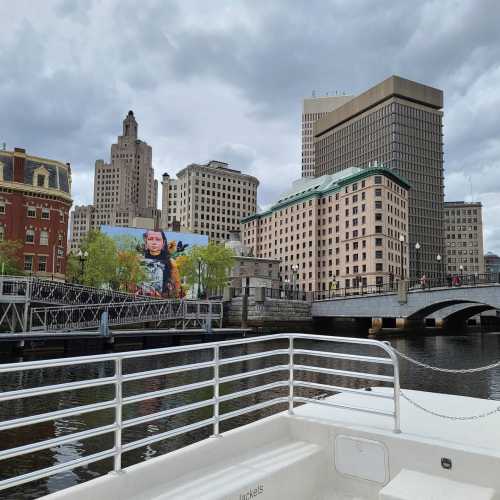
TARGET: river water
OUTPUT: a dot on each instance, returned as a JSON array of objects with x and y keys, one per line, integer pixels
[{"x": 464, "y": 351}]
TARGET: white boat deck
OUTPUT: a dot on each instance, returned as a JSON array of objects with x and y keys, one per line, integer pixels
[
  {"x": 295, "y": 457},
  {"x": 480, "y": 434}
]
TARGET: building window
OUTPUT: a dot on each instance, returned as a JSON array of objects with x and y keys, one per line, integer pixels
[
  {"x": 2, "y": 233},
  {"x": 30, "y": 236},
  {"x": 378, "y": 179},
  {"x": 45, "y": 213},
  {"x": 31, "y": 212},
  {"x": 378, "y": 242},
  {"x": 44, "y": 237},
  {"x": 40, "y": 180},
  {"x": 2, "y": 207},
  {"x": 378, "y": 254},
  {"x": 378, "y": 229},
  {"x": 28, "y": 262},
  {"x": 42, "y": 263}
]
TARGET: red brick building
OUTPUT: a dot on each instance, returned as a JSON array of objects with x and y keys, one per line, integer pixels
[{"x": 35, "y": 199}]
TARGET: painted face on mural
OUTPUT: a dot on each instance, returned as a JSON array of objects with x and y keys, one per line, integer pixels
[{"x": 154, "y": 242}]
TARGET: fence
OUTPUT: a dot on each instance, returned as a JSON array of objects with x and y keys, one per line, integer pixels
[
  {"x": 90, "y": 316},
  {"x": 218, "y": 359}
]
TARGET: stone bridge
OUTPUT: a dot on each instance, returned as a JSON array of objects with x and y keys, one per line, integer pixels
[{"x": 411, "y": 308}]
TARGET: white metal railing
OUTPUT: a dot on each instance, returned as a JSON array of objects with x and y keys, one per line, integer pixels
[{"x": 292, "y": 381}]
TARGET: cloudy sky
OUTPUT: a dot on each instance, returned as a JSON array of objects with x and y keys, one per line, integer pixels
[{"x": 225, "y": 80}]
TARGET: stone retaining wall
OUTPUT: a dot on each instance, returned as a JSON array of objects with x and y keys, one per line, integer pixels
[{"x": 270, "y": 312}]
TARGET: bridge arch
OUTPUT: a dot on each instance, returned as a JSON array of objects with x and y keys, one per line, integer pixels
[{"x": 443, "y": 304}]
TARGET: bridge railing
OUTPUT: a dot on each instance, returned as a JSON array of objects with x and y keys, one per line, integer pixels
[
  {"x": 91, "y": 315},
  {"x": 56, "y": 292},
  {"x": 451, "y": 280},
  {"x": 230, "y": 387},
  {"x": 273, "y": 293}
]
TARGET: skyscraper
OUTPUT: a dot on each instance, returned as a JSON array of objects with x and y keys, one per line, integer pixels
[
  {"x": 313, "y": 109},
  {"x": 125, "y": 190},
  {"x": 399, "y": 123}
]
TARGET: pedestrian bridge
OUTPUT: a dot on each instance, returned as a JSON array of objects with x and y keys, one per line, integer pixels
[{"x": 414, "y": 305}]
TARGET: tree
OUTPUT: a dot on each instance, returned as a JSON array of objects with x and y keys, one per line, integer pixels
[
  {"x": 73, "y": 269},
  {"x": 10, "y": 261},
  {"x": 100, "y": 267},
  {"x": 130, "y": 270},
  {"x": 208, "y": 266}
]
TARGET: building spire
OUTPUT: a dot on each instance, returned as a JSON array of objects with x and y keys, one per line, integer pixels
[{"x": 130, "y": 125}]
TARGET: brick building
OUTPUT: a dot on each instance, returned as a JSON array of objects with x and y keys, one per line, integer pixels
[
  {"x": 340, "y": 230},
  {"x": 35, "y": 198}
]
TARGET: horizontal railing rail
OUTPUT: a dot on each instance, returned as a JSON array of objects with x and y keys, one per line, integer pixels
[{"x": 218, "y": 357}]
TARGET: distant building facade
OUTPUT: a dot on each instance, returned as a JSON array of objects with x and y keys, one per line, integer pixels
[
  {"x": 336, "y": 231},
  {"x": 463, "y": 224},
  {"x": 313, "y": 109},
  {"x": 250, "y": 271},
  {"x": 492, "y": 263},
  {"x": 35, "y": 199},
  {"x": 125, "y": 190},
  {"x": 208, "y": 199},
  {"x": 399, "y": 123}
]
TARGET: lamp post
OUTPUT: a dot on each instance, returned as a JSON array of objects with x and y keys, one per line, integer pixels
[
  {"x": 83, "y": 257},
  {"x": 417, "y": 258},
  {"x": 440, "y": 274},
  {"x": 295, "y": 269},
  {"x": 199, "y": 278},
  {"x": 461, "y": 274},
  {"x": 401, "y": 242}
]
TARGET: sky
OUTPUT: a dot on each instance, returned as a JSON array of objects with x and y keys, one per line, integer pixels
[{"x": 225, "y": 80}]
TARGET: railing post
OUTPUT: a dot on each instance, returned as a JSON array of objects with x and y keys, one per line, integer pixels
[
  {"x": 118, "y": 415},
  {"x": 216, "y": 391},
  {"x": 290, "y": 375}
]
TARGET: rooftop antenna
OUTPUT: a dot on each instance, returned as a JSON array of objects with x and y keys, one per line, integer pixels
[{"x": 470, "y": 183}]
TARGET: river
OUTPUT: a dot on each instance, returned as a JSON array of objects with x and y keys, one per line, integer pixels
[{"x": 462, "y": 351}]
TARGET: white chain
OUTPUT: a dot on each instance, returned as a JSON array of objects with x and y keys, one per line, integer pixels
[
  {"x": 496, "y": 364},
  {"x": 448, "y": 417}
]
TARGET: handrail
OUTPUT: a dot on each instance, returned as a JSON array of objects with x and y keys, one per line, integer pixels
[{"x": 217, "y": 359}]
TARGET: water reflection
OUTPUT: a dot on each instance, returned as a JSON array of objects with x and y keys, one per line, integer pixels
[{"x": 451, "y": 352}]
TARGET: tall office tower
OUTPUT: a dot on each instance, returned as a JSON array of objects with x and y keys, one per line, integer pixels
[
  {"x": 463, "y": 225},
  {"x": 399, "y": 123},
  {"x": 208, "y": 199},
  {"x": 125, "y": 191},
  {"x": 313, "y": 109}
]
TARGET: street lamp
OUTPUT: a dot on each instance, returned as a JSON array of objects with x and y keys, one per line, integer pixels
[
  {"x": 461, "y": 274},
  {"x": 401, "y": 241},
  {"x": 417, "y": 258},
  {"x": 199, "y": 278},
  {"x": 295, "y": 269},
  {"x": 83, "y": 257},
  {"x": 438, "y": 258}
]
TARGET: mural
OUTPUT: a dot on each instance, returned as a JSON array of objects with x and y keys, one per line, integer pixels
[{"x": 158, "y": 252}]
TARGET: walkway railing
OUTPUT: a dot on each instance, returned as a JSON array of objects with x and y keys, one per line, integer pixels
[
  {"x": 295, "y": 376},
  {"x": 91, "y": 316},
  {"x": 55, "y": 292},
  {"x": 455, "y": 280}
]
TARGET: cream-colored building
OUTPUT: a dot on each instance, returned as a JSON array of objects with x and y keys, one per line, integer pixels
[
  {"x": 208, "y": 199},
  {"x": 313, "y": 109},
  {"x": 125, "y": 191},
  {"x": 336, "y": 231},
  {"x": 464, "y": 237}
]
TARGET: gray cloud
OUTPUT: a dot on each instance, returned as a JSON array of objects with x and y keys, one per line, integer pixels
[{"x": 225, "y": 80}]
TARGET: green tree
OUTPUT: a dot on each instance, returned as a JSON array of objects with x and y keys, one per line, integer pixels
[
  {"x": 10, "y": 260},
  {"x": 73, "y": 269},
  {"x": 102, "y": 261},
  {"x": 130, "y": 271},
  {"x": 208, "y": 265}
]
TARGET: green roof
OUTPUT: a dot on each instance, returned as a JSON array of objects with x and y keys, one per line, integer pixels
[{"x": 316, "y": 187}]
